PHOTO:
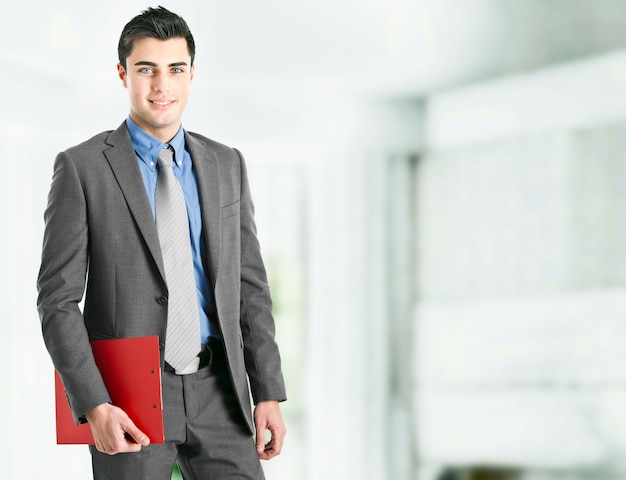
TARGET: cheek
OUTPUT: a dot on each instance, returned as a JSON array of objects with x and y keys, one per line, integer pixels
[
  {"x": 135, "y": 90},
  {"x": 183, "y": 91}
]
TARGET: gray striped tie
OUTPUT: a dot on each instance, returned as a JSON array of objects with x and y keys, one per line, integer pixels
[{"x": 182, "y": 340}]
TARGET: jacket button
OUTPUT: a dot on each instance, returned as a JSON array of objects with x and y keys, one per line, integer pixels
[{"x": 162, "y": 300}]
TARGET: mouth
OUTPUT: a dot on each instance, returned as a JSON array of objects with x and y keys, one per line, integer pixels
[{"x": 161, "y": 103}]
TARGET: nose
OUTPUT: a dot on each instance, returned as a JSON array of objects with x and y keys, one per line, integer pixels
[{"x": 161, "y": 82}]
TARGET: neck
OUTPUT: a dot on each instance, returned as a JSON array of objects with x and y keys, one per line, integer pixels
[{"x": 164, "y": 134}]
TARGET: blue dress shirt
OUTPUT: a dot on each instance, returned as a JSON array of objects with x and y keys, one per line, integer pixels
[{"x": 147, "y": 149}]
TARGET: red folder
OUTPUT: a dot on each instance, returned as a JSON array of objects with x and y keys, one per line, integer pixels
[{"x": 131, "y": 370}]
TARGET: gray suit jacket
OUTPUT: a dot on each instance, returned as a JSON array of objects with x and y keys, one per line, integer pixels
[{"x": 100, "y": 235}]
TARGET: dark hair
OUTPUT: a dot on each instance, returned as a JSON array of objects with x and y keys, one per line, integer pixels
[{"x": 157, "y": 23}]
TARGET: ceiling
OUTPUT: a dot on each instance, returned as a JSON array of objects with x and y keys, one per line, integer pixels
[
  {"x": 388, "y": 47},
  {"x": 284, "y": 53}
]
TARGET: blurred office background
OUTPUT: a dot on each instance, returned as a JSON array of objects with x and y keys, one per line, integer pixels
[{"x": 441, "y": 199}]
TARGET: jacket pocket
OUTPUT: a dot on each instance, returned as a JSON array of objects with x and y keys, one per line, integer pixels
[{"x": 230, "y": 210}]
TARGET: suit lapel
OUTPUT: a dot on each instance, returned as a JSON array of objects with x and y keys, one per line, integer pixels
[
  {"x": 121, "y": 158},
  {"x": 207, "y": 172}
]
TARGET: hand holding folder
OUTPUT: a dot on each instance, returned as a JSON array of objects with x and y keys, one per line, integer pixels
[{"x": 130, "y": 368}]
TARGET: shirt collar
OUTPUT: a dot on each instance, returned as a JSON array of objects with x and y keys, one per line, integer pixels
[{"x": 148, "y": 147}]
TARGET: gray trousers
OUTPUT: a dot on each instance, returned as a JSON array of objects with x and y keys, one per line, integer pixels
[{"x": 204, "y": 432}]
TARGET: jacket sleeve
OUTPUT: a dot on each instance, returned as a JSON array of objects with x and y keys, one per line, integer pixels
[
  {"x": 61, "y": 284},
  {"x": 261, "y": 353}
]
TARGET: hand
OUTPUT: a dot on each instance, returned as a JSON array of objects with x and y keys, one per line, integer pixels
[
  {"x": 113, "y": 431},
  {"x": 267, "y": 416}
]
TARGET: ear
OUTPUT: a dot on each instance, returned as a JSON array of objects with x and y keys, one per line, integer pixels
[
  {"x": 122, "y": 74},
  {"x": 193, "y": 69}
]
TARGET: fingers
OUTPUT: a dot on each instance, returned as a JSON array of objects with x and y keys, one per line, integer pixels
[
  {"x": 134, "y": 435},
  {"x": 113, "y": 446},
  {"x": 269, "y": 418},
  {"x": 123, "y": 438},
  {"x": 274, "y": 446},
  {"x": 114, "y": 432},
  {"x": 269, "y": 450}
]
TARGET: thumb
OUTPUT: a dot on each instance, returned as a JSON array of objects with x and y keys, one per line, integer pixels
[
  {"x": 136, "y": 435},
  {"x": 260, "y": 440}
]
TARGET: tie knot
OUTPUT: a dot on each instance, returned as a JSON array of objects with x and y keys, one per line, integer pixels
[{"x": 166, "y": 157}]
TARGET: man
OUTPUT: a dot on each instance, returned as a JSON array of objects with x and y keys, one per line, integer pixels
[{"x": 103, "y": 233}]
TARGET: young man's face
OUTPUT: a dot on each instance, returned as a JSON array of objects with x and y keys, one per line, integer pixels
[{"x": 158, "y": 75}]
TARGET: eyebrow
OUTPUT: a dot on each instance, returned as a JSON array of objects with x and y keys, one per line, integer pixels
[{"x": 152, "y": 64}]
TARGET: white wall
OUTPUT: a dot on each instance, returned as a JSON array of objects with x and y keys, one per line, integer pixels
[{"x": 522, "y": 228}]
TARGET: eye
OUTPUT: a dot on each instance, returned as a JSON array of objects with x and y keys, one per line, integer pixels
[
  {"x": 145, "y": 70},
  {"x": 177, "y": 70}
]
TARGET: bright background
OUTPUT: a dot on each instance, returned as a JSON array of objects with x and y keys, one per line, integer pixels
[{"x": 441, "y": 200}]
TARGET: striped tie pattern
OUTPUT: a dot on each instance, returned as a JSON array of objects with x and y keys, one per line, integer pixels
[{"x": 182, "y": 340}]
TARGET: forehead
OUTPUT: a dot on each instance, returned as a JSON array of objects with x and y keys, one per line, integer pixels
[{"x": 159, "y": 51}]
